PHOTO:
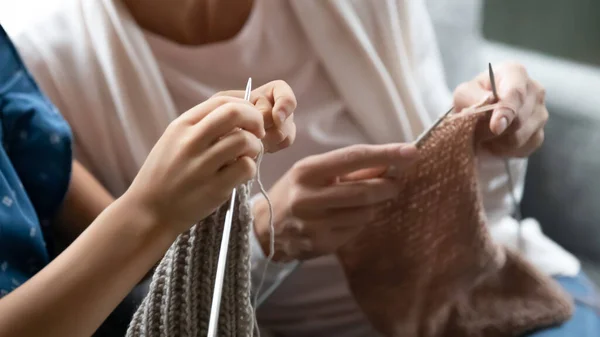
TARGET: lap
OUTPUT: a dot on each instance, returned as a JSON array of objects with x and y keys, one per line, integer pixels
[{"x": 585, "y": 321}]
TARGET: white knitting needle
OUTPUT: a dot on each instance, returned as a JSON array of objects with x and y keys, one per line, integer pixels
[{"x": 216, "y": 300}]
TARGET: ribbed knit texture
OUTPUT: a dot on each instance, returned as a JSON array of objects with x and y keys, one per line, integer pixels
[
  {"x": 428, "y": 266},
  {"x": 180, "y": 296}
]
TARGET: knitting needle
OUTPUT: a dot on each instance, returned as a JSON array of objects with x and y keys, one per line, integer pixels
[
  {"x": 511, "y": 185},
  {"x": 216, "y": 300},
  {"x": 427, "y": 132}
]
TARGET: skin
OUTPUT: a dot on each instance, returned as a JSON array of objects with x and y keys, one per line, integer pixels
[
  {"x": 192, "y": 169},
  {"x": 304, "y": 228}
]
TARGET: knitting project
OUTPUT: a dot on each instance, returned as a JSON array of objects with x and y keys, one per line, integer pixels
[
  {"x": 428, "y": 266},
  {"x": 179, "y": 300}
]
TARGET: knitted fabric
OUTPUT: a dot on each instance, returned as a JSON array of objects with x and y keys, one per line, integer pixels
[
  {"x": 179, "y": 300},
  {"x": 428, "y": 266}
]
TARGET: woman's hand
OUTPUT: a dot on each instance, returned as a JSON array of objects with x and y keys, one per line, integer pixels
[
  {"x": 200, "y": 158},
  {"x": 325, "y": 200},
  {"x": 516, "y": 127},
  {"x": 277, "y": 103}
]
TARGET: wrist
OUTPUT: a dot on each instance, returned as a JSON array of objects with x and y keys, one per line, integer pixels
[{"x": 147, "y": 223}]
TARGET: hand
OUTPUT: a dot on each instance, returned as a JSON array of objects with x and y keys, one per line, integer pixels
[
  {"x": 197, "y": 162},
  {"x": 277, "y": 103},
  {"x": 323, "y": 201},
  {"x": 516, "y": 127}
]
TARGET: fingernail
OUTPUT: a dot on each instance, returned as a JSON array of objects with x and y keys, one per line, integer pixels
[
  {"x": 502, "y": 125},
  {"x": 282, "y": 115},
  {"x": 408, "y": 151}
]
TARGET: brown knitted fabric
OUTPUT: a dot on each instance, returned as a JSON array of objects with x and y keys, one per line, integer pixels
[
  {"x": 179, "y": 299},
  {"x": 429, "y": 267}
]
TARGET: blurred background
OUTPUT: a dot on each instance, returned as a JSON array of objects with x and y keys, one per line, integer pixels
[{"x": 559, "y": 43}]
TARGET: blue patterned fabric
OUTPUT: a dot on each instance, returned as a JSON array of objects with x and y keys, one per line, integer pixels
[{"x": 35, "y": 169}]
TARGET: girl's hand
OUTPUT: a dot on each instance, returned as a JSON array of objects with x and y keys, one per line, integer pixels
[
  {"x": 277, "y": 103},
  {"x": 200, "y": 158}
]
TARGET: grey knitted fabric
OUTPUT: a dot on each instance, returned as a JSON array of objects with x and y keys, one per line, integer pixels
[{"x": 179, "y": 300}]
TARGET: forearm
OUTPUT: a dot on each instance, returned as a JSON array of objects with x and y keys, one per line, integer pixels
[
  {"x": 85, "y": 200},
  {"x": 75, "y": 293}
]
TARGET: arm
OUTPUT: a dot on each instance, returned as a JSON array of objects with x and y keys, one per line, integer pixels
[
  {"x": 70, "y": 297},
  {"x": 85, "y": 200},
  {"x": 187, "y": 175}
]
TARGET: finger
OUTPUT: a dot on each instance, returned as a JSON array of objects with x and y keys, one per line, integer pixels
[
  {"x": 200, "y": 111},
  {"x": 227, "y": 118},
  {"x": 262, "y": 103},
  {"x": 236, "y": 173},
  {"x": 519, "y": 140},
  {"x": 368, "y": 173},
  {"x": 512, "y": 92},
  {"x": 280, "y": 138},
  {"x": 326, "y": 167},
  {"x": 525, "y": 151},
  {"x": 529, "y": 118},
  {"x": 283, "y": 100},
  {"x": 229, "y": 148},
  {"x": 352, "y": 194},
  {"x": 469, "y": 94},
  {"x": 265, "y": 106}
]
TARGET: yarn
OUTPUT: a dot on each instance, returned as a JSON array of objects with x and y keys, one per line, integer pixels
[
  {"x": 179, "y": 298},
  {"x": 428, "y": 266}
]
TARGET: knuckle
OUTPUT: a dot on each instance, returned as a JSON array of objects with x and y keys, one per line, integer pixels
[
  {"x": 461, "y": 89},
  {"x": 541, "y": 92},
  {"x": 285, "y": 143},
  {"x": 187, "y": 141},
  {"x": 221, "y": 98},
  {"x": 301, "y": 167},
  {"x": 539, "y": 138},
  {"x": 174, "y": 125},
  {"x": 297, "y": 199},
  {"x": 232, "y": 111},
  {"x": 356, "y": 153},
  {"x": 278, "y": 83},
  {"x": 247, "y": 168},
  {"x": 519, "y": 93},
  {"x": 219, "y": 94},
  {"x": 516, "y": 66}
]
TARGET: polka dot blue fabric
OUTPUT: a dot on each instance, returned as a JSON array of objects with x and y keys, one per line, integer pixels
[{"x": 35, "y": 169}]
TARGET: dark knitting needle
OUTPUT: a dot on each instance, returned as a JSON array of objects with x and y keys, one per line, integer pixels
[
  {"x": 511, "y": 186},
  {"x": 427, "y": 132}
]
